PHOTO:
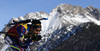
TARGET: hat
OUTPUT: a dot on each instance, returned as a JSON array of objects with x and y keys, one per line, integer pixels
[{"x": 36, "y": 24}]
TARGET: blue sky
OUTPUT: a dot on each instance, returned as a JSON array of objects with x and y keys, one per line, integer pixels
[{"x": 16, "y": 8}]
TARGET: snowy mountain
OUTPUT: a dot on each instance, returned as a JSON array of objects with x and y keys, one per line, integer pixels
[
  {"x": 86, "y": 38},
  {"x": 63, "y": 22}
]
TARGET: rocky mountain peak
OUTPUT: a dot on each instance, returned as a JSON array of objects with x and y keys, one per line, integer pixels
[
  {"x": 93, "y": 11},
  {"x": 70, "y": 9},
  {"x": 32, "y": 15}
]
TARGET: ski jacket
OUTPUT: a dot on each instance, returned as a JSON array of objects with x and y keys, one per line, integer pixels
[{"x": 17, "y": 32}]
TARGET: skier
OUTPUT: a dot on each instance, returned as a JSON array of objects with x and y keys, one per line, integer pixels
[{"x": 22, "y": 35}]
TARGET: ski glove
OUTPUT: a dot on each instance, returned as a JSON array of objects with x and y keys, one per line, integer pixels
[{"x": 36, "y": 38}]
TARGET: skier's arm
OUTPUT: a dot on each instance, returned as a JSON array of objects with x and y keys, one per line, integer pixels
[{"x": 21, "y": 33}]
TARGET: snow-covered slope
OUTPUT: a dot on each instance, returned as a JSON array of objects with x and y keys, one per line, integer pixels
[{"x": 62, "y": 16}]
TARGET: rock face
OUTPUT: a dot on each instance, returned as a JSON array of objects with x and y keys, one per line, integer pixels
[
  {"x": 87, "y": 38},
  {"x": 69, "y": 9},
  {"x": 93, "y": 11}
]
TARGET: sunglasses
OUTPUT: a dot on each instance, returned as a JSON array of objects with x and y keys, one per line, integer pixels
[{"x": 37, "y": 30}]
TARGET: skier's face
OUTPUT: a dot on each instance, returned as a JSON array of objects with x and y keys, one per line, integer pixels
[{"x": 35, "y": 31}]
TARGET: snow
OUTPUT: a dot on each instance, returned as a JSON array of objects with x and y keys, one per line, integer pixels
[
  {"x": 90, "y": 9},
  {"x": 5, "y": 47},
  {"x": 1, "y": 38},
  {"x": 93, "y": 20}
]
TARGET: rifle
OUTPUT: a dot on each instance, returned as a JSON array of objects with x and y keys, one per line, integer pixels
[
  {"x": 3, "y": 32},
  {"x": 25, "y": 21}
]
